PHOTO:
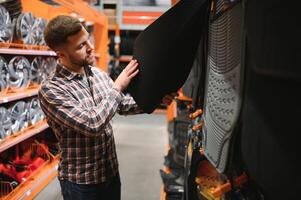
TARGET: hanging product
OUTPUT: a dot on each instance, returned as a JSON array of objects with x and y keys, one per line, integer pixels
[
  {"x": 33, "y": 114},
  {"x": 19, "y": 72},
  {"x": 26, "y": 30},
  {"x": 6, "y": 33},
  {"x": 159, "y": 44},
  {"x": 270, "y": 139},
  {"x": 39, "y": 26},
  {"x": 14, "y": 7},
  {"x": 5, "y": 123},
  {"x": 173, "y": 184},
  {"x": 37, "y": 71},
  {"x": 18, "y": 112},
  {"x": 3, "y": 76},
  {"x": 223, "y": 86},
  {"x": 180, "y": 133}
]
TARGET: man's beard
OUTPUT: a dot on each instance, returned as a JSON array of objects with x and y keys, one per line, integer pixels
[{"x": 84, "y": 62}]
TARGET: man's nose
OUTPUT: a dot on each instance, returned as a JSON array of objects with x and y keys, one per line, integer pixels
[{"x": 90, "y": 46}]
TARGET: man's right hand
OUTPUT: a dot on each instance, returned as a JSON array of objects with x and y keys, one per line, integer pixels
[{"x": 125, "y": 77}]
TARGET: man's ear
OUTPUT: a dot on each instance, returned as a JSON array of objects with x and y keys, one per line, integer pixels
[
  {"x": 60, "y": 53},
  {"x": 59, "y": 50}
]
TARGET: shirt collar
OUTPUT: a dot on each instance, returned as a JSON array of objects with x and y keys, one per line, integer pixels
[{"x": 65, "y": 72}]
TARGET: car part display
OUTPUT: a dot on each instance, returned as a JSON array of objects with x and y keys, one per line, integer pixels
[
  {"x": 3, "y": 76},
  {"x": 39, "y": 26},
  {"x": 5, "y": 123},
  {"x": 14, "y": 7},
  {"x": 173, "y": 183},
  {"x": 6, "y": 33},
  {"x": 192, "y": 156},
  {"x": 37, "y": 70},
  {"x": 34, "y": 111},
  {"x": 26, "y": 29},
  {"x": 19, "y": 73},
  {"x": 223, "y": 84},
  {"x": 18, "y": 112},
  {"x": 179, "y": 134}
]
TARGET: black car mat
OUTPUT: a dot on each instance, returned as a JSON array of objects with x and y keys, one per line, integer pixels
[
  {"x": 270, "y": 140},
  {"x": 166, "y": 50}
]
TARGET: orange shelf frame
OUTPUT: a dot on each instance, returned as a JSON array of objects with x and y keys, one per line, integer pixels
[
  {"x": 35, "y": 183},
  {"x": 140, "y": 17},
  {"x": 22, "y": 49},
  {"x": 12, "y": 96},
  {"x": 23, "y": 135}
]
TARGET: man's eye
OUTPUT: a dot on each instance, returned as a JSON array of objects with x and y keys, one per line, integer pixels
[{"x": 81, "y": 45}]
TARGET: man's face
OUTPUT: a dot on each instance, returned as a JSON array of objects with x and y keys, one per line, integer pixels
[{"x": 78, "y": 50}]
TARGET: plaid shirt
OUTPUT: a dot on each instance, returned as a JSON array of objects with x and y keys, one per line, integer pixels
[{"x": 80, "y": 113}]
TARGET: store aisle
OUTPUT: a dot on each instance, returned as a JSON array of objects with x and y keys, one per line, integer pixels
[{"x": 141, "y": 144}]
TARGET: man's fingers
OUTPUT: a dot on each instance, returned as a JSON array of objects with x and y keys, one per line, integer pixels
[
  {"x": 131, "y": 70},
  {"x": 130, "y": 65},
  {"x": 134, "y": 74}
]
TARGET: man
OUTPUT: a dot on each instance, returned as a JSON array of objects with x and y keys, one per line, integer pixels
[{"x": 79, "y": 102}]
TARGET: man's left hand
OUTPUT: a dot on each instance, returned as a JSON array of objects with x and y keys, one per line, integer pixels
[{"x": 167, "y": 99}]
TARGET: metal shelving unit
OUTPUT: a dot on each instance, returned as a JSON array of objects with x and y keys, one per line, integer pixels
[
  {"x": 25, "y": 49},
  {"x": 12, "y": 96},
  {"x": 47, "y": 171},
  {"x": 27, "y": 52},
  {"x": 22, "y": 135}
]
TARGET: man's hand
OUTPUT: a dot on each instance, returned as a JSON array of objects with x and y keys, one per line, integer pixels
[
  {"x": 125, "y": 77},
  {"x": 167, "y": 99}
]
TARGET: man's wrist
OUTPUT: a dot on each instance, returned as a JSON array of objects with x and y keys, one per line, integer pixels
[{"x": 117, "y": 87}]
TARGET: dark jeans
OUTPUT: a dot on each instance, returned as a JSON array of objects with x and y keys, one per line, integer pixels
[{"x": 105, "y": 191}]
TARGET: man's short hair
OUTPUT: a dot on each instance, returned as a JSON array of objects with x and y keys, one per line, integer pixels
[{"x": 59, "y": 29}]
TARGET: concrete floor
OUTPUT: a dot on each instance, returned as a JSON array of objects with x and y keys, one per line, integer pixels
[{"x": 141, "y": 144}]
